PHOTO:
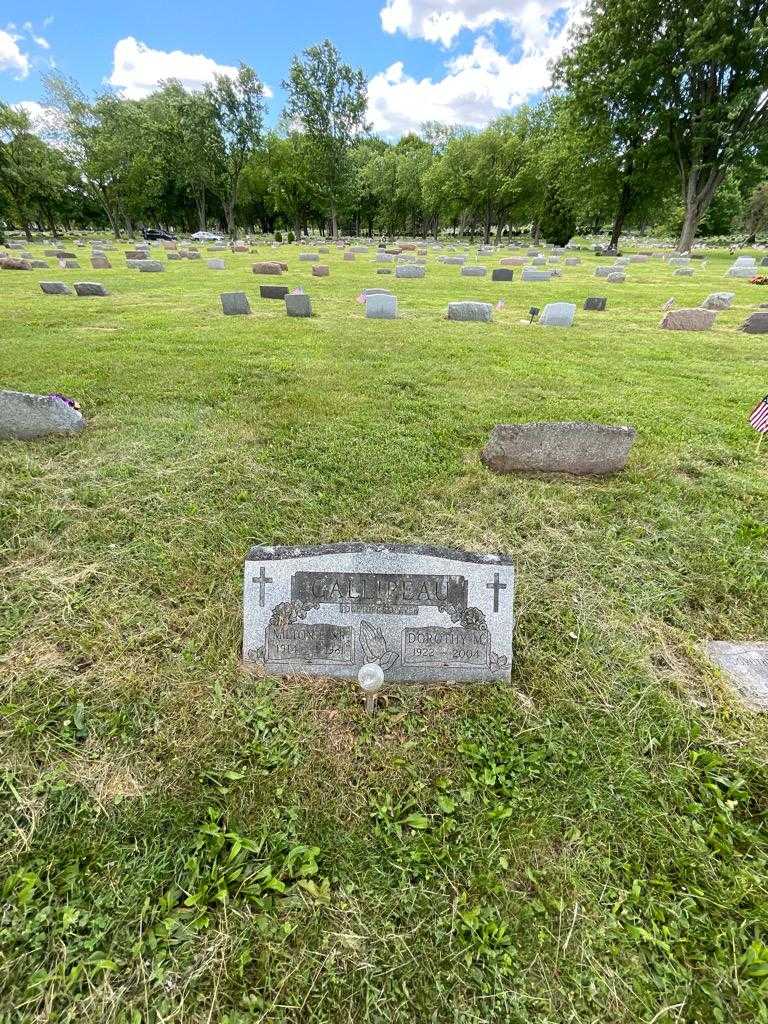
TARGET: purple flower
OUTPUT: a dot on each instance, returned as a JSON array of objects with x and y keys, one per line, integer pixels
[{"x": 67, "y": 401}]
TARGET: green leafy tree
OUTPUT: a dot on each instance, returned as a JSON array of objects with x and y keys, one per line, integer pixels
[
  {"x": 238, "y": 111},
  {"x": 693, "y": 75},
  {"x": 327, "y": 102}
]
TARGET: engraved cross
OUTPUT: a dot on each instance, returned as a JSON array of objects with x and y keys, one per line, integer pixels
[
  {"x": 496, "y": 586},
  {"x": 262, "y": 579}
]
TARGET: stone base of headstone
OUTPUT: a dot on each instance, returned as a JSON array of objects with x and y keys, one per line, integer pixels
[
  {"x": 25, "y": 417},
  {"x": 582, "y": 449}
]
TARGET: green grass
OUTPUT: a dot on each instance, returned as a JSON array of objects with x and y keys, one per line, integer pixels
[{"x": 181, "y": 841}]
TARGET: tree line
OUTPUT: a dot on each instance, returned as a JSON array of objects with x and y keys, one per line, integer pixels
[{"x": 656, "y": 119}]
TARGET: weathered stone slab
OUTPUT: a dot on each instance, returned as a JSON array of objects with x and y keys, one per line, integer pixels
[
  {"x": 410, "y": 271},
  {"x": 558, "y": 447},
  {"x": 745, "y": 261},
  {"x": 235, "y": 303},
  {"x": 684, "y": 272},
  {"x": 298, "y": 305},
  {"x": 321, "y": 270},
  {"x": 531, "y": 274},
  {"x": 502, "y": 274},
  {"x": 470, "y": 311},
  {"x": 136, "y": 254},
  {"x": 309, "y": 257},
  {"x": 100, "y": 263},
  {"x": 422, "y": 614},
  {"x": 756, "y": 323},
  {"x": 512, "y": 261},
  {"x": 603, "y": 271},
  {"x": 39, "y": 264},
  {"x": 616, "y": 278},
  {"x": 273, "y": 291},
  {"x": 473, "y": 271},
  {"x": 24, "y": 417},
  {"x": 746, "y": 272},
  {"x": 381, "y": 307},
  {"x": 718, "y": 300},
  {"x": 349, "y": 257},
  {"x": 558, "y": 314},
  {"x": 69, "y": 264},
  {"x": 89, "y": 288},
  {"x": 746, "y": 666},
  {"x": 454, "y": 261},
  {"x": 375, "y": 291},
  {"x": 268, "y": 268},
  {"x": 55, "y": 288},
  {"x": 151, "y": 267},
  {"x": 596, "y": 302},
  {"x": 216, "y": 265},
  {"x": 688, "y": 319}
]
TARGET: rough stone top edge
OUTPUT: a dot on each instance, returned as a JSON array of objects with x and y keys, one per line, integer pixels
[
  {"x": 266, "y": 553},
  {"x": 622, "y": 428}
]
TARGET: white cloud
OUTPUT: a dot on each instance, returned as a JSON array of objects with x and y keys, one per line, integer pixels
[
  {"x": 138, "y": 70},
  {"x": 11, "y": 57},
  {"x": 38, "y": 40},
  {"x": 440, "y": 21},
  {"x": 479, "y": 85},
  {"x": 43, "y": 121}
]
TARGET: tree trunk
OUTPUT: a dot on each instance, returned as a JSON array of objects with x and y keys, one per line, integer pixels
[
  {"x": 487, "y": 234},
  {"x": 625, "y": 204},
  {"x": 697, "y": 198},
  {"x": 535, "y": 233},
  {"x": 334, "y": 225},
  {"x": 200, "y": 207}
]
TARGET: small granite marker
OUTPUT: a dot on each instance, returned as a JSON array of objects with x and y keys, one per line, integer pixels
[
  {"x": 559, "y": 447},
  {"x": 746, "y": 665},
  {"x": 596, "y": 302},
  {"x": 235, "y": 303},
  {"x": 470, "y": 311},
  {"x": 55, "y": 288},
  {"x": 558, "y": 314},
  {"x": 422, "y": 614},
  {"x": 89, "y": 288},
  {"x": 298, "y": 305},
  {"x": 502, "y": 274},
  {"x": 273, "y": 291},
  {"x": 381, "y": 307},
  {"x": 756, "y": 323},
  {"x": 696, "y": 319},
  {"x": 24, "y": 417}
]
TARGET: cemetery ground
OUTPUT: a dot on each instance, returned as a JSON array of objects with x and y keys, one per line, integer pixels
[{"x": 183, "y": 841}]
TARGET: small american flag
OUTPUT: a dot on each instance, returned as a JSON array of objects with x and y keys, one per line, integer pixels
[
  {"x": 758, "y": 418},
  {"x": 361, "y": 299}
]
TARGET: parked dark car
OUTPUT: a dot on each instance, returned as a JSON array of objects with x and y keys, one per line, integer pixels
[{"x": 156, "y": 235}]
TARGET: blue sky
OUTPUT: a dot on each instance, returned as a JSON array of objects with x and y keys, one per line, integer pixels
[{"x": 460, "y": 61}]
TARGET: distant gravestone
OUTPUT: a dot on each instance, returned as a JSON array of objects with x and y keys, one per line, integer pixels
[
  {"x": 409, "y": 271},
  {"x": 764, "y": 261},
  {"x": 719, "y": 300},
  {"x": 473, "y": 271},
  {"x": 746, "y": 665},
  {"x": 321, "y": 270},
  {"x": 136, "y": 254},
  {"x": 422, "y": 614},
  {"x": 512, "y": 261},
  {"x": 558, "y": 447},
  {"x": 502, "y": 274},
  {"x": 616, "y": 278},
  {"x": 273, "y": 291},
  {"x": 349, "y": 257},
  {"x": 298, "y": 305},
  {"x": 454, "y": 261},
  {"x": 55, "y": 288},
  {"x": 603, "y": 271},
  {"x": 558, "y": 314},
  {"x": 531, "y": 274},
  {"x": 151, "y": 267},
  {"x": 216, "y": 265},
  {"x": 69, "y": 264},
  {"x": 683, "y": 272},
  {"x": 90, "y": 288},
  {"x": 100, "y": 263},
  {"x": 596, "y": 302},
  {"x": 756, "y": 323},
  {"x": 746, "y": 272},
  {"x": 688, "y": 319},
  {"x": 381, "y": 307},
  {"x": 268, "y": 268},
  {"x": 745, "y": 261},
  {"x": 39, "y": 264},
  {"x": 25, "y": 417},
  {"x": 470, "y": 311},
  {"x": 383, "y": 271},
  {"x": 12, "y": 263},
  {"x": 235, "y": 303}
]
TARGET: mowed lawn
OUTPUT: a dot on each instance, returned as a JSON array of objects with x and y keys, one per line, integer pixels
[{"x": 183, "y": 841}]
